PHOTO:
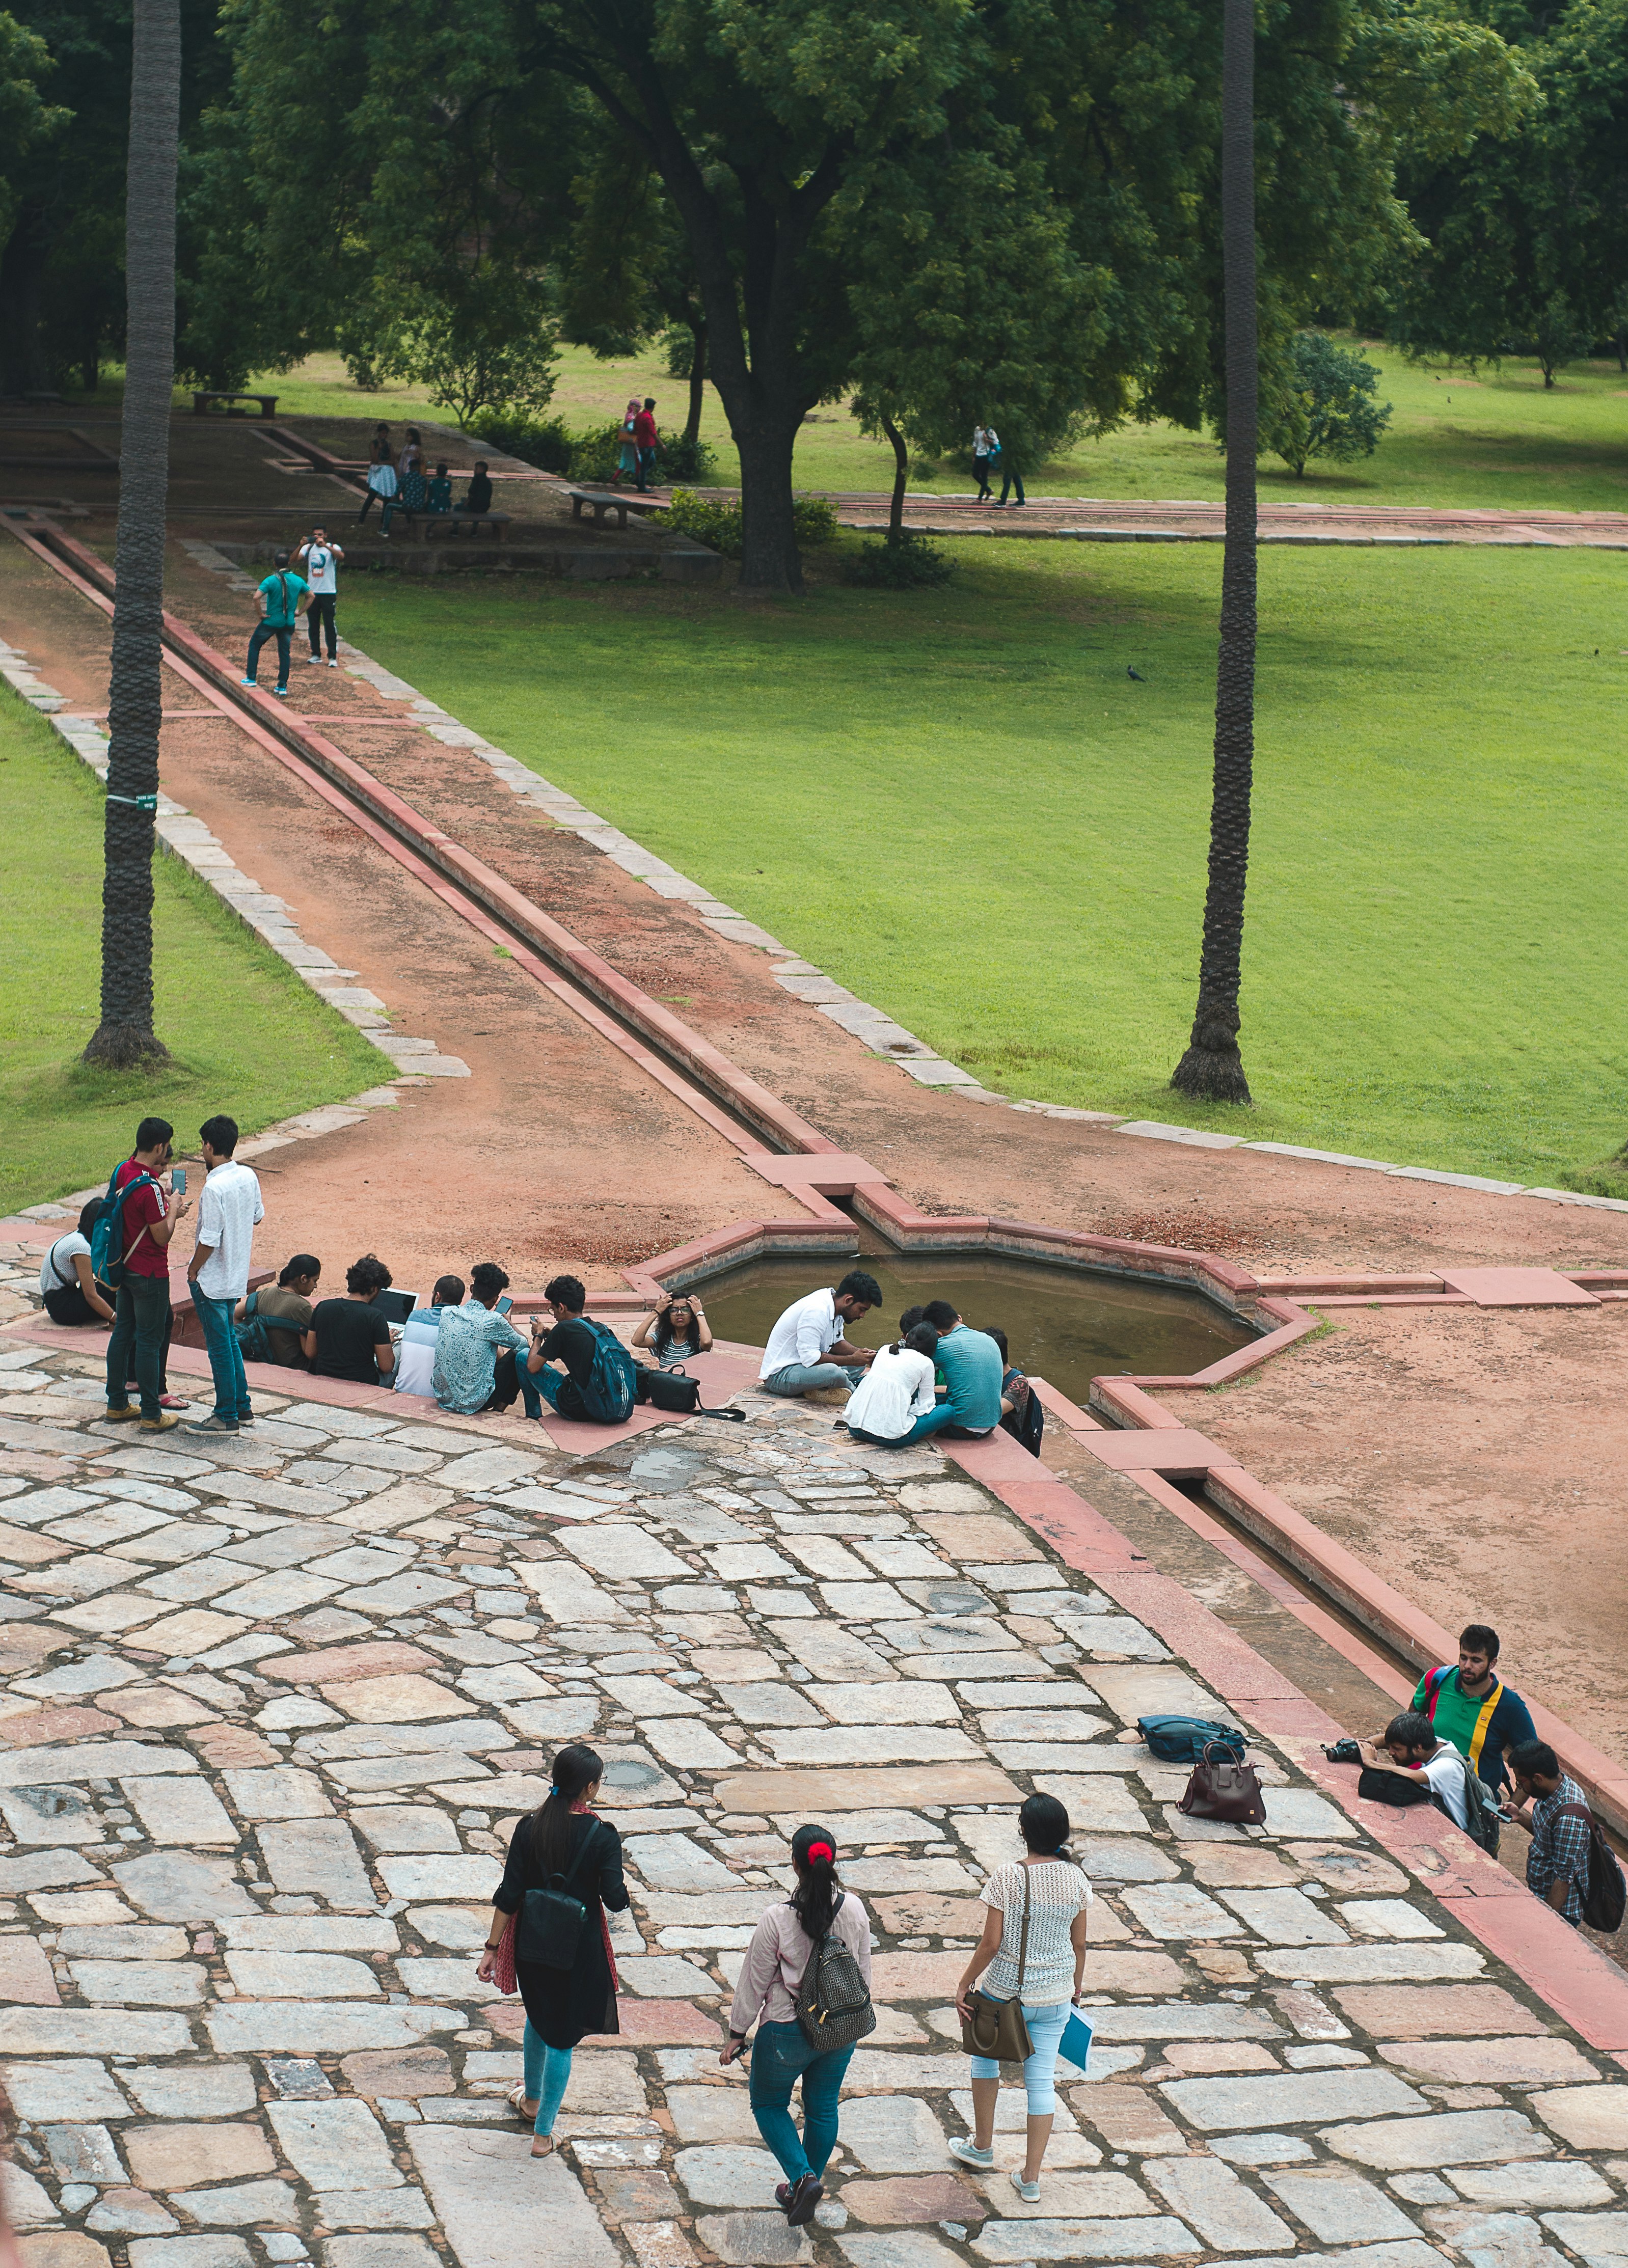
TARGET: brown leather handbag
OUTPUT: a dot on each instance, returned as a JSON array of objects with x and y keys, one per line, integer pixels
[
  {"x": 1224, "y": 1787},
  {"x": 996, "y": 2028}
]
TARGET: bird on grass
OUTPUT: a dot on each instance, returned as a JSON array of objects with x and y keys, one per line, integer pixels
[{"x": 1136, "y": 674}]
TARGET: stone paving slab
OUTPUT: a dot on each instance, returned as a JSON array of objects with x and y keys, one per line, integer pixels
[{"x": 248, "y": 1857}]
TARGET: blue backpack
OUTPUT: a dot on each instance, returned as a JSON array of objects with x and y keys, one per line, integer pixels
[
  {"x": 1182, "y": 1740},
  {"x": 109, "y": 1251},
  {"x": 613, "y": 1383}
]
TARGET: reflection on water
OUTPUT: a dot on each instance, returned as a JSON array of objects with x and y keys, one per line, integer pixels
[{"x": 1063, "y": 1326}]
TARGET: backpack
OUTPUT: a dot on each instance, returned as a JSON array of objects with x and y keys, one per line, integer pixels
[
  {"x": 1605, "y": 1899},
  {"x": 108, "y": 1254},
  {"x": 1027, "y": 1423},
  {"x": 1481, "y": 1815},
  {"x": 676, "y": 1391},
  {"x": 833, "y": 2001},
  {"x": 253, "y": 1333},
  {"x": 1182, "y": 1740},
  {"x": 612, "y": 1382}
]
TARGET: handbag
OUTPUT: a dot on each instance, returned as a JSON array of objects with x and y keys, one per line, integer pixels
[
  {"x": 502, "y": 1958},
  {"x": 1223, "y": 1786},
  {"x": 996, "y": 2028},
  {"x": 548, "y": 1925},
  {"x": 675, "y": 1391}
]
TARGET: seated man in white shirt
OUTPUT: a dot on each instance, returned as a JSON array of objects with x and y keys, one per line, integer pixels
[
  {"x": 807, "y": 1348},
  {"x": 414, "y": 1356},
  {"x": 1411, "y": 1751}
]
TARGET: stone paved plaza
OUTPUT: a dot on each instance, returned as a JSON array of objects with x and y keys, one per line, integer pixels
[{"x": 273, "y": 1703}]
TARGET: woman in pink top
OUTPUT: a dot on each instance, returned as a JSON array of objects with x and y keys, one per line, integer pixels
[{"x": 780, "y": 1951}]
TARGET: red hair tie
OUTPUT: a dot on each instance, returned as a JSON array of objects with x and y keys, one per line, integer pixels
[{"x": 822, "y": 1851}]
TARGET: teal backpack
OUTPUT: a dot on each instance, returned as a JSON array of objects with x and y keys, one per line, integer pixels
[
  {"x": 613, "y": 1383},
  {"x": 107, "y": 1245},
  {"x": 253, "y": 1333}
]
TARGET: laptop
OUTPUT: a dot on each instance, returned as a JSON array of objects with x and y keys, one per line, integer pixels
[{"x": 396, "y": 1306}]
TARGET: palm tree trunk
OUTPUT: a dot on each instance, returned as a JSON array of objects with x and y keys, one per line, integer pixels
[
  {"x": 125, "y": 1037},
  {"x": 1213, "y": 1068},
  {"x": 900, "y": 475}
]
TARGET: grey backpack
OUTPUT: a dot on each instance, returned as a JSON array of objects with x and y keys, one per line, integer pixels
[{"x": 834, "y": 2001}]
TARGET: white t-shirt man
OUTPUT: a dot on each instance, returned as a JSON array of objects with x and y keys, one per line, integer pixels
[
  {"x": 894, "y": 1392},
  {"x": 804, "y": 1334},
  {"x": 321, "y": 570},
  {"x": 227, "y": 1212}
]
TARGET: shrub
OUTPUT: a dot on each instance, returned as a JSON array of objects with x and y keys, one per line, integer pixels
[
  {"x": 813, "y": 518},
  {"x": 906, "y": 562},
  {"x": 1327, "y": 407},
  {"x": 679, "y": 458},
  {"x": 717, "y": 522},
  {"x": 544, "y": 442}
]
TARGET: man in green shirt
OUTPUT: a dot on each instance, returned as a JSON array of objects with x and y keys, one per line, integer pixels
[
  {"x": 278, "y": 598},
  {"x": 1469, "y": 1707}
]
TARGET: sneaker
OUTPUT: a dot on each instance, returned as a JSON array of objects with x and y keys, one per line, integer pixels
[
  {"x": 122, "y": 1415},
  {"x": 314, "y": 659},
  {"x": 1029, "y": 2191},
  {"x": 164, "y": 1422},
  {"x": 281, "y": 692},
  {"x": 782, "y": 2196},
  {"x": 211, "y": 1424},
  {"x": 249, "y": 682},
  {"x": 805, "y": 2194},
  {"x": 245, "y": 1416},
  {"x": 333, "y": 665},
  {"x": 970, "y": 2153}
]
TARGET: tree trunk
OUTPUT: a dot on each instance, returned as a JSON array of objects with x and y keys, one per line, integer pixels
[
  {"x": 901, "y": 474},
  {"x": 697, "y": 377},
  {"x": 768, "y": 555},
  {"x": 23, "y": 367},
  {"x": 1212, "y": 1069},
  {"x": 125, "y": 1037},
  {"x": 1621, "y": 351}
]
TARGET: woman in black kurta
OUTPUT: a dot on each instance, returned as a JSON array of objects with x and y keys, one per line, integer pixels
[{"x": 562, "y": 2005}]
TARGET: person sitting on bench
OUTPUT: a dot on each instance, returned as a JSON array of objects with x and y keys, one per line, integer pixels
[
  {"x": 478, "y": 503},
  {"x": 439, "y": 499}
]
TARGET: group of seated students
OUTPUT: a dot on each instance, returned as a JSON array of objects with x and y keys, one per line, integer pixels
[
  {"x": 461, "y": 1348},
  {"x": 940, "y": 1375}
]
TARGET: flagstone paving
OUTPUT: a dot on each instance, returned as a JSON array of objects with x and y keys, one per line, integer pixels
[{"x": 272, "y": 1703}]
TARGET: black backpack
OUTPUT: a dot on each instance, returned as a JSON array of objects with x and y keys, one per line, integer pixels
[
  {"x": 1605, "y": 1899},
  {"x": 832, "y": 2000}
]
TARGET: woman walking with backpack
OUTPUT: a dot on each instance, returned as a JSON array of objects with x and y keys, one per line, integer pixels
[
  {"x": 1034, "y": 1950},
  {"x": 808, "y": 1976},
  {"x": 549, "y": 1936}
]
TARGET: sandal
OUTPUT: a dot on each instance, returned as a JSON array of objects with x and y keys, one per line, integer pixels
[
  {"x": 543, "y": 2146},
  {"x": 517, "y": 2103}
]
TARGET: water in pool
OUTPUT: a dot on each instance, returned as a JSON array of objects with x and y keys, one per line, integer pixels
[{"x": 1065, "y": 1327}]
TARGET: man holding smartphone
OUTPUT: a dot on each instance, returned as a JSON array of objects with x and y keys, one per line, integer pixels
[
  {"x": 228, "y": 1213},
  {"x": 479, "y": 1355},
  {"x": 141, "y": 1247},
  {"x": 318, "y": 560}
]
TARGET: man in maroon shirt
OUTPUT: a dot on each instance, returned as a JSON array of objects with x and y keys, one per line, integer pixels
[
  {"x": 142, "y": 1317},
  {"x": 644, "y": 442}
]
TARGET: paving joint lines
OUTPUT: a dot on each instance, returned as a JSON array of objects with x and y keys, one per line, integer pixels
[{"x": 278, "y": 1700}]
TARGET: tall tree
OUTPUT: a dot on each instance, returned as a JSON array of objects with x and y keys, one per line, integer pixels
[
  {"x": 125, "y": 1037},
  {"x": 1213, "y": 1068}
]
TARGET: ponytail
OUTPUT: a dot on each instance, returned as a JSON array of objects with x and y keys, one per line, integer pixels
[
  {"x": 814, "y": 1900},
  {"x": 1044, "y": 1824},
  {"x": 575, "y": 1769}
]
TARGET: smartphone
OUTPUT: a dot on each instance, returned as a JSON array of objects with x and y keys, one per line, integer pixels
[
  {"x": 177, "y": 1179},
  {"x": 505, "y": 1305}
]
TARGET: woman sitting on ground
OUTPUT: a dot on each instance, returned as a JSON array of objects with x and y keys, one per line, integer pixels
[
  {"x": 678, "y": 1329},
  {"x": 562, "y": 1838},
  {"x": 1045, "y": 1974},
  {"x": 67, "y": 1285},
  {"x": 782, "y": 1947},
  {"x": 897, "y": 1393},
  {"x": 350, "y": 1337}
]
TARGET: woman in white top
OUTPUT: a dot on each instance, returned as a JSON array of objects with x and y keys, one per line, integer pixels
[
  {"x": 896, "y": 1391},
  {"x": 1057, "y": 1894},
  {"x": 780, "y": 1951},
  {"x": 67, "y": 1285}
]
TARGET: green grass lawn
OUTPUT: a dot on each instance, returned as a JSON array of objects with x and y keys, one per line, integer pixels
[
  {"x": 247, "y": 1036},
  {"x": 959, "y": 804},
  {"x": 1500, "y": 438}
]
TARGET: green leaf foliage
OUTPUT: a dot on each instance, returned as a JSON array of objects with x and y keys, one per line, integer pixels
[{"x": 1325, "y": 406}]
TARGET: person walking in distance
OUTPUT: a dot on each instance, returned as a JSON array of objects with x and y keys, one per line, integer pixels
[
  {"x": 228, "y": 1211},
  {"x": 645, "y": 439},
  {"x": 140, "y": 1246},
  {"x": 381, "y": 476},
  {"x": 279, "y": 599},
  {"x": 320, "y": 560},
  {"x": 1033, "y": 1950},
  {"x": 627, "y": 449},
  {"x": 981, "y": 439},
  {"x": 783, "y": 1945},
  {"x": 562, "y": 1847}
]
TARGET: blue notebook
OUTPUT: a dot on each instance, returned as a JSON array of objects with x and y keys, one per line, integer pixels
[{"x": 1076, "y": 2042}]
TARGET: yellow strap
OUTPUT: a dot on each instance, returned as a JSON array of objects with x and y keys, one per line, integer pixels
[{"x": 1483, "y": 1723}]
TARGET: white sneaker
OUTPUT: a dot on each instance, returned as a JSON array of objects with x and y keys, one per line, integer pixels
[
  {"x": 333, "y": 665},
  {"x": 970, "y": 2153},
  {"x": 314, "y": 659},
  {"x": 1029, "y": 2191}
]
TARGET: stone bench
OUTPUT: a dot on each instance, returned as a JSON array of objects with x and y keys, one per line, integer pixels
[
  {"x": 202, "y": 403},
  {"x": 600, "y": 501}
]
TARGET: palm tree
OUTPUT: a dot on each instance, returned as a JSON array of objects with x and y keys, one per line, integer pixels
[
  {"x": 125, "y": 1037},
  {"x": 1213, "y": 1068}
]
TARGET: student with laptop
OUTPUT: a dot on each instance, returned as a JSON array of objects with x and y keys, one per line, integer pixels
[
  {"x": 350, "y": 1337},
  {"x": 414, "y": 1357}
]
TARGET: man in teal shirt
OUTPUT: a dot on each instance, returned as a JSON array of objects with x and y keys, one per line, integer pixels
[
  {"x": 279, "y": 597},
  {"x": 970, "y": 1362}
]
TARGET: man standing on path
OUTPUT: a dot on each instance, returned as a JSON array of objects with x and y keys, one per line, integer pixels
[
  {"x": 807, "y": 1348},
  {"x": 644, "y": 437},
  {"x": 141, "y": 1244},
  {"x": 227, "y": 1212},
  {"x": 320, "y": 560},
  {"x": 1468, "y": 1706},
  {"x": 279, "y": 599},
  {"x": 1556, "y": 1810}
]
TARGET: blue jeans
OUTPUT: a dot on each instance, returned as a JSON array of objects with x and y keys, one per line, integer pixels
[
  {"x": 804, "y": 1377},
  {"x": 225, "y": 1357},
  {"x": 141, "y": 1321},
  {"x": 1040, "y": 2070},
  {"x": 780, "y": 2056},
  {"x": 547, "y": 2069},
  {"x": 1009, "y": 481},
  {"x": 261, "y": 631}
]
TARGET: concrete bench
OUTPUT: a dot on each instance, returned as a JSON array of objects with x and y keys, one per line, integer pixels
[
  {"x": 600, "y": 501},
  {"x": 452, "y": 521},
  {"x": 202, "y": 403}
]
